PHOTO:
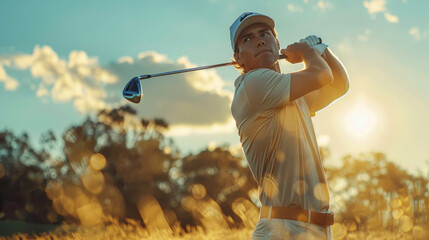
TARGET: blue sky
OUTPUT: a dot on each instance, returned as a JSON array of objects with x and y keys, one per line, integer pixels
[{"x": 53, "y": 54}]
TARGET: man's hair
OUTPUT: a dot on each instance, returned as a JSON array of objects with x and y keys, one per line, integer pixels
[{"x": 240, "y": 67}]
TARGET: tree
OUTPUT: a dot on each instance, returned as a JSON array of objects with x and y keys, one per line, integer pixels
[
  {"x": 136, "y": 156},
  {"x": 371, "y": 192},
  {"x": 217, "y": 175},
  {"x": 22, "y": 183}
]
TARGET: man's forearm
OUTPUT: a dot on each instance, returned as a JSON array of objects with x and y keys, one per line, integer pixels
[
  {"x": 341, "y": 79},
  {"x": 314, "y": 62}
]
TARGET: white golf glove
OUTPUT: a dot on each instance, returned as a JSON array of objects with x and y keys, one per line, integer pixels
[{"x": 313, "y": 41}]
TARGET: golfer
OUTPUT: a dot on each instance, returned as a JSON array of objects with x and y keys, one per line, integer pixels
[{"x": 273, "y": 113}]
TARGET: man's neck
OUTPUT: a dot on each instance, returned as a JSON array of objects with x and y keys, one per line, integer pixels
[{"x": 275, "y": 67}]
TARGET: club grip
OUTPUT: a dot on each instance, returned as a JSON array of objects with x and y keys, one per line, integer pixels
[{"x": 284, "y": 56}]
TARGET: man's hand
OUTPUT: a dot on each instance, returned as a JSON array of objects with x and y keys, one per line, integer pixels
[
  {"x": 296, "y": 51},
  {"x": 313, "y": 40}
]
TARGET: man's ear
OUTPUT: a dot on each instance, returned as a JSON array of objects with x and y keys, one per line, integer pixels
[{"x": 237, "y": 58}]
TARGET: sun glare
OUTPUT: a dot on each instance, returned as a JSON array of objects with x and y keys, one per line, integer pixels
[{"x": 361, "y": 121}]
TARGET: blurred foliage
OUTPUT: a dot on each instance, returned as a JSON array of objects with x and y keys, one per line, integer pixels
[
  {"x": 370, "y": 193},
  {"x": 118, "y": 167}
]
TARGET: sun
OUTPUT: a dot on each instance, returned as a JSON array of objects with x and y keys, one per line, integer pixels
[{"x": 361, "y": 121}]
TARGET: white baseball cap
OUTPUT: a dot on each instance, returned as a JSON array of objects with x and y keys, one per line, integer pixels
[{"x": 247, "y": 19}]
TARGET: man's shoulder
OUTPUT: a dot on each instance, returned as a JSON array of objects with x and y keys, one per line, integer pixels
[{"x": 254, "y": 76}]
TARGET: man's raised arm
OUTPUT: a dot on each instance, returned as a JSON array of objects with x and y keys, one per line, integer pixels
[
  {"x": 341, "y": 79},
  {"x": 316, "y": 74}
]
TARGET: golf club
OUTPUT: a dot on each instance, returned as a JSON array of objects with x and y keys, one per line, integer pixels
[{"x": 133, "y": 91}]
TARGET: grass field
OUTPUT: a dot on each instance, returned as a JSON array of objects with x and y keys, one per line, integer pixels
[{"x": 133, "y": 230}]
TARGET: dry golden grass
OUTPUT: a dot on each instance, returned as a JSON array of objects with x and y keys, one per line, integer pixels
[{"x": 133, "y": 230}]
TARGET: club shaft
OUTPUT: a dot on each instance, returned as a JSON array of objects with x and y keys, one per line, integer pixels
[{"x": 141, "y": 77}]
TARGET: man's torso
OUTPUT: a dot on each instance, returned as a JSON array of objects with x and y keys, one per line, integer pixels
[{"x": 279, "y": 141}]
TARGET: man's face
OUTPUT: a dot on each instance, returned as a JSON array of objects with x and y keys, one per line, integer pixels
[{"x": 257, "y": 47}]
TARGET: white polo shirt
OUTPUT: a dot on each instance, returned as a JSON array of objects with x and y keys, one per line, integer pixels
[{"x": 279, "y": 142}]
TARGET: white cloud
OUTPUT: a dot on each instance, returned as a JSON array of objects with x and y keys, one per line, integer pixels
[
  {"x": 10, "y": 83},
  {"x": 294, "y": 8},
  {"x": 391, "y": 18},
  {"x": 323, "y": 5},
  {"x": 415, "y": 33},
  {"x": 44, "y": 63},
  {"x": 155, "y": 57},
  {"x": 42, "y": 90},
  {"x": 345, "y": 46},
  {"x": 364, "y": 37},
  {"x": 126, "y": 59},
  {"x": 193, "y": 102},
  {"x": 79, "y": 79},
  {"x": 375, "y": 6},
  {"x": 379, "y": 6}
]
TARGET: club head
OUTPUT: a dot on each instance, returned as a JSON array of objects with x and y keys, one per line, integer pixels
[{"x": 133, "y": 91}]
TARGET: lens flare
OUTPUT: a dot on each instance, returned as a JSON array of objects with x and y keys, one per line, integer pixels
[{"x": 361, "y": 121}]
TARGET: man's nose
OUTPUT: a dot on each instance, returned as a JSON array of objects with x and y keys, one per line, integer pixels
[{"x": 261, "y": 42}]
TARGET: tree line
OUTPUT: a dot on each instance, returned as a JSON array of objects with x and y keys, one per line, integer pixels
[{"x": 117, "y": 166}]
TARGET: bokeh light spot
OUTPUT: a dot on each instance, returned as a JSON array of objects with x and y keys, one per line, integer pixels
[
  {"x": 97, "y": 161},
  {"x": 170, "y": 216},
  {"x": 54, "y": 190},
  {"x": 339, "y": 231},
  {"x": 167, "y": 150},
  {"x": 198, "y": 191},
  {"x": 300, "y": 187},
  {"x": 90, "y": 214},
  {"x": 395, "y": 203},
  {"x": 188, "y": 203},
  {"x": 406, "y": 223},
  {"x": 93, "y": 181},
  {"x": 321, "y": 192},
  {"x": 397, "y": 213},
  {"x": 280, "y": 157},
  {"x": 68, "y": 204}
]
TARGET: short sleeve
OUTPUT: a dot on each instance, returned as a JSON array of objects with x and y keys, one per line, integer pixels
[
  {"x": 311, "y": 100},
  {"x": 267, "y": 89}
]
